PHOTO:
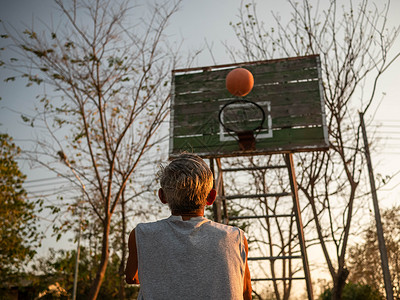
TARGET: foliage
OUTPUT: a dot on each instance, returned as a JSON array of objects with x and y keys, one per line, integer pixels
[
  {"x": 353, "y": 291},
  {"x": 19, "y": 234},
  {"x": 364, "y": 258},
  {"x": 59, "y": 266}
]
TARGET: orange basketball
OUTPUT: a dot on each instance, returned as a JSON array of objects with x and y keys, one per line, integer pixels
[{"x": 239, "y": 82}]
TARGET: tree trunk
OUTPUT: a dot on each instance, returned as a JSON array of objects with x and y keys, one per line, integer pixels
[
  {"x": 95, "y": 288},
  {"x": 123, "y": 250},
  {"x": 339, "y": 283}
]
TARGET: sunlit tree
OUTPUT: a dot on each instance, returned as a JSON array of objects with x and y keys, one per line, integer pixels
[
  {"x": 364, "y": 263},
  {"x": 355, "y": 48},
  {"x": 109, "y": 66}
]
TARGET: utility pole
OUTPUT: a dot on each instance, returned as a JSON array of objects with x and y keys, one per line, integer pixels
[
  {"x": 64, "y": 159},
  {"x": 78, "y": 251},
  {"x": 379, "y": 229}
]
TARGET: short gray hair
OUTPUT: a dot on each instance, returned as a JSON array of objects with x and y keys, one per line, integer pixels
[{"x": 186, "y": 181}]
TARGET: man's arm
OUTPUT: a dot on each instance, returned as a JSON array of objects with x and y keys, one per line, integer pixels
[
  {"x": 131, "y": 271},
  {"x": 247, "y": 290}
]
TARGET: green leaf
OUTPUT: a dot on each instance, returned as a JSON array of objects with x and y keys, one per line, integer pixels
[{"x": 9, "y": 79}]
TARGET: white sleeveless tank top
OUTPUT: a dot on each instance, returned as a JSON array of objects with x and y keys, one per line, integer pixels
[{"x": 194, "y": 259}]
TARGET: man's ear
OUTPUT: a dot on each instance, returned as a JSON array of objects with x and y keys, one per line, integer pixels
[
  {"x": 211, "y": 197},
  {"x": 161, "y": 195}
]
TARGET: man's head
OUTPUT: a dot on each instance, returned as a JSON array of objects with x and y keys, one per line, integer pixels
[{"x": 186, "y": 183}]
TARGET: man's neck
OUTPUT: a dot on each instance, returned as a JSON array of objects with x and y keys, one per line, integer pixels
[{"x": 188, "y": 215}]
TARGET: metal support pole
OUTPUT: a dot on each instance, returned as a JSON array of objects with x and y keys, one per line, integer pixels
[
  {"x": 379, "y": 228},
  {"x": 217, "y": 203},
  {"x": 78, "y": 251},
  {"x": 299, "y": 223},
  {"x": 221, "y": 192}
]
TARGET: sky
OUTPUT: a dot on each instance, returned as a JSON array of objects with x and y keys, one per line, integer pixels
[{"x": 197, "y": 22}]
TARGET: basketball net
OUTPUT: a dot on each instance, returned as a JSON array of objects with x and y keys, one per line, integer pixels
[{"x": 247, "y": 140}]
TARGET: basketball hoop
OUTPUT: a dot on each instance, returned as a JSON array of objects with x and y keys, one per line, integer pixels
[{"x": 242, "y": 119}]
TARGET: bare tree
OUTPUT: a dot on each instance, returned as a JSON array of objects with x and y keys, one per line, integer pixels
[
  {"x": 272, "y": 235},
  {"x": 354, "y": 47},
  {"x": 281, "y": 240},
  {"x": 109, "y": 65}
]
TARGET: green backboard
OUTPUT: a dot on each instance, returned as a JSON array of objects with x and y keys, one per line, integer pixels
[{"x": 289, "y": 91}]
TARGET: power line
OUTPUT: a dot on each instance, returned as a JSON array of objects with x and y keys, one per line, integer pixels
[
  {"x": 385, "y": 126},
  {"x": 50, "y": 190},
  {"x": 33, "y": 196},
  {"x": 46, "y": 179},
  {"x": 41, "y": 184},
  {"x": 387, "y": 132},
  {"x": 392, "y": 145},
  {"x": 389, "y": 152},
  {"x": 388, "y": 139},
  {"x": 395, "y": 121}
]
